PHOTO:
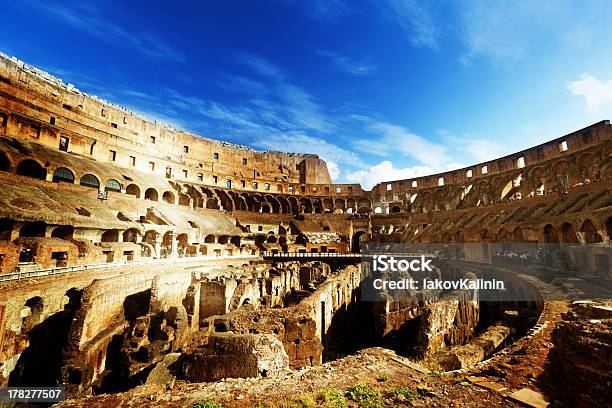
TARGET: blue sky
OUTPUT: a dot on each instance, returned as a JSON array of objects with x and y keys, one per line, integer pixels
[{"x": 381, "y": 90}]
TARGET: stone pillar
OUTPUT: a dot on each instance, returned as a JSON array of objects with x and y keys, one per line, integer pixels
[
  {"x": 158, "y": 244},
  {"x": 49, "y": 176},
  {"x": 174, "y": 246}
]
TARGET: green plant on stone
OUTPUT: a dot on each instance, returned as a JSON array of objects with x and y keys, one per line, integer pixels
[
  {"x": 365, "y": 396},
  {"x": 331, "y": 398},
  {"x": 207, "y": 404},
  {"x": 405, "y": 393}
]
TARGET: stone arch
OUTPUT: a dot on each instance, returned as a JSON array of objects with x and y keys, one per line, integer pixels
[
  {"x": 209, "y": 239},
  {"x": 517, "y": 235},
  {"x": 396, "y": 209},
  {"x": 36, "y": 315},
  {"x": 568, "y": 233},
  {"x": 130, "y": 235},
  {"x": 5, "y": 163},
  {"x": 235, "y": 240},
  {"x": 33, "y": 229},
  {"x": 110, "y": 236},
  {"x": 274, "y": 204},
  {"x": 113, "y": 185},
  {"x": 63, "y": 175},
  {"x": 551, "y": 234},
  {"x": 184, "y": 200},
  {"x": 31, "y": 168},
  {"x": 271, "y": 239},
  {"x": 351, "y": 206},
  {"x": 363, "y": 205},
  {"x": 306, "y": 205},
  {"x": 591, "y": 235},
  {"x": 225, "y": 200},
  {"x": 284, "y": 204},
  {"x": 328, "y": 205},
  {"x": 89, "y": 180},
  {"x": 294, "y": 205},
  {"x": 133, "y": 190},
  {"x": 63, "y": 232},
  {"x": 359, "y": 238},
  {"x": 150, "y": 237},
  {"x": 182, "y": 243},
  {"x": 317, "y": 206},
  {"x": 223, "y": 239},
  {"x": 151, "y": 194},
  {"x": 340, "y": 204},
  {"x": 168, "y": 197}
]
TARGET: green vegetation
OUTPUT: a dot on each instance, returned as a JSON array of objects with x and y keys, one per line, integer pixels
[
  {"x": 404, "y": 393},
  {"x": 331, "y": 398},
  {"x": 382, "y": 378},
  {"x": 207, "y": 404},
  {"x": 365, "y": 396}
]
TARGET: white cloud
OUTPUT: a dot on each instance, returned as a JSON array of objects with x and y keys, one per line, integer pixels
[
  {"x": 417, "y": 18},
  {"x": 303, "y": 143},
  {"x": 596, "y": 93},
  {"x": 393, "y": 140},
  {"x": 385, "y": 171},
  {"x": 349, "y": 65},
  {"x": 334, "y": 170}
]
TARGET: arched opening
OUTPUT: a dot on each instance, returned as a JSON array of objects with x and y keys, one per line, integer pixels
[
  {"x": 110, "y": 236},
  {"x": 150, "y": 237},
  {"x": 63, "y": 232},
  {"x": 182, "y": 244},
  {"x": 89, "y": 180},
  {"x": 209, "y": 239},
  {"x": 517, "y": 235},
  {"x": 151, "y": 194},
  {"x": 168, "y": 197},
  {"x": 609, "y": 228},
  {"x": 36, "y": 306},
  {"x": 328, "y": 205},
  {"x": 306, "y": 205},
  {"x": 378, "y": 210},
  {"x": 167, "y": 243},
  {"x": 591, "y": 236},
  {"x": 63, "y": 175},
  {"x": 223, "y": 239},
  {"x": 31, "y": 168},
  {"x": 339, "y": 203},
  {"x": 113, "y": 185},
  {"x": 236, "y": 241},
  {"x": 184, "y": 200},
  {"x": 271, "y": 239},
  {"x": 359, "y": 238},
  {"x": 396, "y": 209},
  {"x": 133, "y": 190},
  {"x": 551, "y": 235},
  {"x": 6, "y": 229},
  {"x": 33, "y": 229},
  {"x": 568, "y": 233},
  {"x": 130, "y": 235},
  {"x": 5, "y": 163},
  {"x": 363, "y": 205}
]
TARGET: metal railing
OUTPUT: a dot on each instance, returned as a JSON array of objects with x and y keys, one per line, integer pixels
[
  {"x": 269, "y": 254},
  {"x": 77, "y": 268}
]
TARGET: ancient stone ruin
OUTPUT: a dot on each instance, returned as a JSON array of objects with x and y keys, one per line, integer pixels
[{"x": 137, "y": 260}]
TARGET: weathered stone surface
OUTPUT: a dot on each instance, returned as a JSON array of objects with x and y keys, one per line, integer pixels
[
  {"x": 163, "y": 373},
  {"x": 230, "y": 355}
]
